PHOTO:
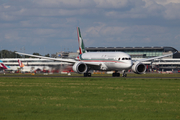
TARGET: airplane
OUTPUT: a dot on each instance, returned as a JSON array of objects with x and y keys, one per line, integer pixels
[
  {"x": 25, "y": 68},
  {"x": 3, "y": 66},
  {"x": 103, "y": 61},
  {"x": 21, "y": 65}
]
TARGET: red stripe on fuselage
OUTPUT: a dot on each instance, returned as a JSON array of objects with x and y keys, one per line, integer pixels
[{"x": 100, "y": 61}]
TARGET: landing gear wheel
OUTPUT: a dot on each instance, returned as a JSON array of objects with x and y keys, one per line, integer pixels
[
  {"x": 116, "y": 75},
  {"x": 87, "y": 74},
  {"x": 125, "y": 75}
]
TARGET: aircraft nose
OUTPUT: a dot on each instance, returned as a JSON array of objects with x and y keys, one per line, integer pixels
[{"x": 130, "y": 63}]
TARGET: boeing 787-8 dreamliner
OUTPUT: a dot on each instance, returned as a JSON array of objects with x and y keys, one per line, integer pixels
[{"x": 103, "y": 61}]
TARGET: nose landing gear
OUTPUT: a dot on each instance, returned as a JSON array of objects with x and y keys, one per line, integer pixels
[{"x": 124, "y": 73}]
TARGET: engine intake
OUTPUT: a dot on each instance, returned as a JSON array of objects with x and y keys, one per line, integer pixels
[
  {"x": 80, "y": 67},
  {"x": 138, "y": 68}
]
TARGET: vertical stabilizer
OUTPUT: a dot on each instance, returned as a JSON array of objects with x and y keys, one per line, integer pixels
[
  {"x": 80, "y": 41},
  {"x": 3, "y": 66},
  {"x": 20, "y": 64}
]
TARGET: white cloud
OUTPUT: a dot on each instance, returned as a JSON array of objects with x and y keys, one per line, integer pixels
[
  {"x": 65, "y": 3},
  {"x": 165, "y": 2},
  {"x": 167, "y": 8},
  {"x": 103, "y": 30},
  {"x": 7, "y": 6},
  {"x": 111, "y": 3},
  {"x": 172, "y": 11},
  {"x": 110, "y": 22}
]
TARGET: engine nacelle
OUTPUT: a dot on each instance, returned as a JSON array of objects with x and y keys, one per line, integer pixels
[
  {"x": 138, "y": 68},
  {"x": 80, "y": 67}
]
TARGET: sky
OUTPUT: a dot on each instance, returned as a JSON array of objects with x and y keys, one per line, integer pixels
[{"x": 50, "y": 26}]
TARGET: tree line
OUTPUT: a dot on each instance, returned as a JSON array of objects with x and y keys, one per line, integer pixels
[{"x": 11, "y": 54}]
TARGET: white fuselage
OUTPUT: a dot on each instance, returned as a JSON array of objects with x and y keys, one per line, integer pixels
[{"x": 108, "y": 60}]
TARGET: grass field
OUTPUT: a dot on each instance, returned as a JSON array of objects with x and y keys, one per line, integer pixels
[{"x": 89, "y": 98}]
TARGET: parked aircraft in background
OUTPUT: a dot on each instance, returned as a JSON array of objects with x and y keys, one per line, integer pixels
[
  {"x": 103, "y": 61},
  {"x": 21, "y": 65},
  {"x": 24, "y": 68},
  {"x": 3, "y": 66}
]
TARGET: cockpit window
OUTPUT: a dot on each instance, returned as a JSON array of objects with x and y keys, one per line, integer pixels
[{"x": 126, "y": 58}]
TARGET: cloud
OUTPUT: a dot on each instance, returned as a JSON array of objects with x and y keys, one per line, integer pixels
[
  {"x": 64, "y": 3},
  {"x": 33, "y": 23},
  {"x": 172, "y": 11},
  {"x": 104, "y": 30}
]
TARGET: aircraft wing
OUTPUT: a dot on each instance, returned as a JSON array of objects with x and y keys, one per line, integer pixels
[
  {"x": 153, "y": 58},
  {"x": 49, "y": 58},
  {"x": 60, "y": 59}
]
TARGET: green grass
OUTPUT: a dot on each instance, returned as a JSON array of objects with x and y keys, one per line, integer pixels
[{"x": 89, "y": 98}]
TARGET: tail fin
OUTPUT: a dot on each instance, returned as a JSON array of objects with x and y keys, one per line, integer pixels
[
  {"x": 81, "y": 43},
  {"x": 20, "y": 64},
  {"x": 3, "y": 66}
]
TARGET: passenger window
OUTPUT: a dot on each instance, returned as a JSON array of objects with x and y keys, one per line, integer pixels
[{"x": 119, "y": 58}]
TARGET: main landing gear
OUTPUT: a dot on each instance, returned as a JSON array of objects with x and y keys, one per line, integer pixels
[
  {"x": 87, "y": 74},
  {"x": 116, "y": 74}
]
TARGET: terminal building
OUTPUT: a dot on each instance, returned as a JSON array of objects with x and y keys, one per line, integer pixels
[{"x": 136, "y": 52}]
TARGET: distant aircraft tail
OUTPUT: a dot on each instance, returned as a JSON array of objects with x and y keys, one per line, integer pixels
[
  {"x": 81, "y": 43},
  {"x": 20, "y": 64},
  {"x": 3, "y": 66}
]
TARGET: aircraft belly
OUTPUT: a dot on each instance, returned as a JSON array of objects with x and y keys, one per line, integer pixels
[
  {"x": 115, "y": 66},
  {"x": 112, "y": 66}
]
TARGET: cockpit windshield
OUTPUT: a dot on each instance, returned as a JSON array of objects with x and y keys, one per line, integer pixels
[{"x": 126, "y": 58}]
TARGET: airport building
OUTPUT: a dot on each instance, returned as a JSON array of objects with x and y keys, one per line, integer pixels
[{"x": 136, "y": 52}]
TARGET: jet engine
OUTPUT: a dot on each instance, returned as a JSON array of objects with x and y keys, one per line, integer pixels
[
  {"x": 80, "y": 67},
  {"x": 138, "y": 68}
]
